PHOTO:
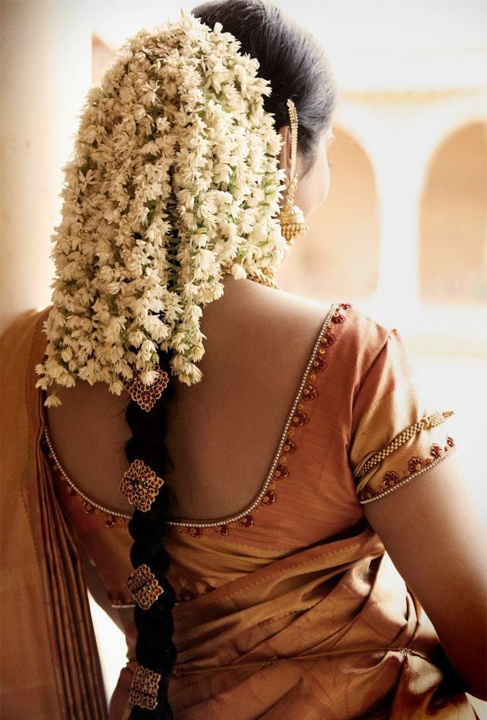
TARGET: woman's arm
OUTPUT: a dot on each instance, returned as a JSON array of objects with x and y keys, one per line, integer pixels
[{"x": 434, "y": 535}]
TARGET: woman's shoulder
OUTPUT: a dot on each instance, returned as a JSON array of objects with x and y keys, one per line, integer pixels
[
  {"x": 362, "y": 334},
  {"x": 366, "y": 334}
]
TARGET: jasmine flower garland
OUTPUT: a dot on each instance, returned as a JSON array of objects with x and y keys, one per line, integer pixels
[{"x": 174, "y": 182}]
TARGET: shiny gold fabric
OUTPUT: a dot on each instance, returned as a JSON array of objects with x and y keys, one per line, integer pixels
[
  {"x": 293, "y": 611},
  {"x": 50, "y": 668}
]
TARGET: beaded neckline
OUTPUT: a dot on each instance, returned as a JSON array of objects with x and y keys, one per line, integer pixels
[{"x": 215, "y": 522}]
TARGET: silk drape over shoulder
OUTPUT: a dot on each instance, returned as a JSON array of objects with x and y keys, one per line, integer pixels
[{"x": 290, "y": 609}]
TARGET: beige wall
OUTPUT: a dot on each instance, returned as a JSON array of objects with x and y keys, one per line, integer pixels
[
  {"x": 453, "y": 220},
  {"x": 339, "y": 257},
  {"x": 45, "y": 73}
]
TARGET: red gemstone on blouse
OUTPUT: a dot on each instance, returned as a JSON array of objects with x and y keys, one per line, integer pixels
[
  {"x": 280, "y": 472},
  {"x": 247, "y": 521},
  {"x": 223, "y": 530},
  {"x": 269, "y": 498},
  {"x": 338, "y": 318},
  {"x": 328, "y": 339},
  {"x": 310, "y": 392},
  {"x": 450, "y": 441},
  {"x": 319, "y": 363},
  {"x": 415, "y": 463},
  {"x": 194, "y": 531},
  {"x": 436, "y": 450},
  {"x": 289, "y": 447},
  {"x": 390, "y": 478},
  {"x": 300, "y": 418}
]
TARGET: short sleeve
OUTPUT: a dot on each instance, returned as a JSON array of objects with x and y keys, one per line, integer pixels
[{"x": 398, "y": 431}]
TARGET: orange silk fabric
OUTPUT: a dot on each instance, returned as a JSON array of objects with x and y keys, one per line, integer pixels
[{"x": 298, "y": 597}]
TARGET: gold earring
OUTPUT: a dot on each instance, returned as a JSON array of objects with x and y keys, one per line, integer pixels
[{"x": 291, "y": 216}]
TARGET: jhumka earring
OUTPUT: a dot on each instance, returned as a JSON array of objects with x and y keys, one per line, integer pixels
[{"x": 291, "y": 216}]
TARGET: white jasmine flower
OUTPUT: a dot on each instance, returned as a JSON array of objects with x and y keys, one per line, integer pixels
[{"x": 174, "y": 180}]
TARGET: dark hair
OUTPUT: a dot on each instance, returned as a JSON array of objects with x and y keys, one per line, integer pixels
[
  {"x": 290, "y": 57},
  {"x": 297, "y": 67}
]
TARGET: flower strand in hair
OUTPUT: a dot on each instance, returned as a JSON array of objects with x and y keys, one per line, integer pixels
[{"x": 174, "y": 182}]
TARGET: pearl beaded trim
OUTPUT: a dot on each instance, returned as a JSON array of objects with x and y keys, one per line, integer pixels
[
  {"x": 410, "y": 477},
  {"x": 195, "y": 523},
  {"x": 277, "y": 457},
  {"x": 103, "y": 508}
]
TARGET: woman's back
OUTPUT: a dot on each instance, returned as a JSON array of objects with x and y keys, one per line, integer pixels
[
  {"x": 222, "y": 433},
  {"x": 307, "y": 579},
  {"x": 267, "y": 594}
]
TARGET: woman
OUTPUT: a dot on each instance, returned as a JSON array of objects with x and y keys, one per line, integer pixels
[{"x": 268, "y": 539}]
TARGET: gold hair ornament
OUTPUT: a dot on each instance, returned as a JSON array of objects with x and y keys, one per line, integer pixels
[
  {"x": 144, "y": 688},
  {"x": 140, "y": 485},
  {"x": 143, "y": 586},
  {"x": 146, "y": 395}
]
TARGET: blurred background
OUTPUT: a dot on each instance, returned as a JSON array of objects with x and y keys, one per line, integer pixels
[{"x": 403, "y": 232}]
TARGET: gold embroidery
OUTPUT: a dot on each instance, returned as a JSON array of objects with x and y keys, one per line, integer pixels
[
  {"x": 297, "y": 418},
  {"x": 392, "y": 481},
  {"x": 429, "y": 422},
  {"x": 90, "y": 506}
]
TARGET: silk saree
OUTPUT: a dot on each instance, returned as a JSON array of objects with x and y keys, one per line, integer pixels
[{"x": 290, "y": 609}]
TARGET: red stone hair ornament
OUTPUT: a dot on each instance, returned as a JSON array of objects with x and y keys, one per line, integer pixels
[
  {"x": 146, "y": 395},
  {"x": 144, "y": 688},
  {"x": 143, "y": 586},
  {"x": 140, "y": 485}
]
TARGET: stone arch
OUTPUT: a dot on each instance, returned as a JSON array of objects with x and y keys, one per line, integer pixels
[
  {"x": 452, "y": 258},
  {"x": 339, "y": 255}
]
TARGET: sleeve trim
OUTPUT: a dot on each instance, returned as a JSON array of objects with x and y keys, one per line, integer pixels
[
  {"x": 428, "y": 422},
  {"x": 399, "y": 484}
]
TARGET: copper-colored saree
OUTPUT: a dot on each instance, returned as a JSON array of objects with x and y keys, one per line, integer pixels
[
  {"x": 50, "y": 667},
  {"x": 293, "y": 610}
]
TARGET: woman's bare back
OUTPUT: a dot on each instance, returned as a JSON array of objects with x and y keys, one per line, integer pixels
[{"x": 223, "y": 432}]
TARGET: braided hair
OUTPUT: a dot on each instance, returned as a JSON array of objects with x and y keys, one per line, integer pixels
[
  {"x": 296, "y": 66},
  {"x": 155, "y": 649}
]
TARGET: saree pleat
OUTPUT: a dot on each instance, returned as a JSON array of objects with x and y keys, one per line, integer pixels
[
  {"x": 49, "y": 660},
  {"x": 339, "y": 643},
  {"x": 300, "y": 614}
]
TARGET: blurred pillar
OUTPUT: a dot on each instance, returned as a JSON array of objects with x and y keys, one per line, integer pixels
[
  {"x": 398, "y": 173},
  {"x": 45, "y": 74}
]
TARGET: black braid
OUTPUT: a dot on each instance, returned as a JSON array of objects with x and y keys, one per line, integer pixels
[
  {"x": 154, "y": 648},
  {"x": 296, "y": 66}
]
